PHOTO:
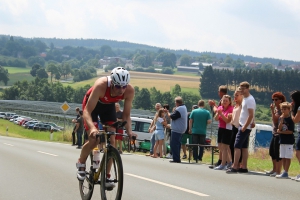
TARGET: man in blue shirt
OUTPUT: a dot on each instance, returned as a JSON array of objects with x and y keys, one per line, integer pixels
[{"x": 178, "y": 127}]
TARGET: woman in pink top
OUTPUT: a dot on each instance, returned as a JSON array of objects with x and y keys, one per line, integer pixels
[{"x": 225, "y": 131}]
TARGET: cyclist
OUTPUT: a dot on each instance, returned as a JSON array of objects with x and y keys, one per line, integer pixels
[{"x": 100, "y": 100}]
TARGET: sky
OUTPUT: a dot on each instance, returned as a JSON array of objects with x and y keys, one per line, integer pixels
[{"x": 260, "y": 28}]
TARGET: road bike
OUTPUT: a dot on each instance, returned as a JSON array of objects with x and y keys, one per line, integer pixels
[{"x": 110, "y": 170}]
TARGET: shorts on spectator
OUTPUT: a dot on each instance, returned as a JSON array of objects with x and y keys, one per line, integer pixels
[
  {"x": 286, "y": 151},
  {"x": 274, "y": 148},
  {"x": 298, "y": 142},
  {"x": 159, "y": 135},
  {"x": 242, "y": 139},
  {"x": 185, "y": 137},
  {"x": 119, "y": 137},
  {"x": 224, "y": 136}
]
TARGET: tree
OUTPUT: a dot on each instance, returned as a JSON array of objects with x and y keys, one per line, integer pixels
[
  {"x": 66, "y": 70},
  {"x": 142, "y": 99},
  {"x": 209, "y": 85},
  {"x": 4, "y": 75},
  {"x": 200, "y": 66},
  {"x": 34, "y": 69},
  {"x": 29, "y": 51},
  {"x": 41, "y": 73},
  {"x": 167, "y": 70},
  {"x": 176, "y": 91},
  {"x": 36, "y": 59},
  {"x": 185, "y": 60},
  {"x": 52, "y": 68}
]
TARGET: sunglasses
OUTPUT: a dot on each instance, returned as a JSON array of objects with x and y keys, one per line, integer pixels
[
  {"x": 120, "y": 87},
  {"x": 275, "y": 99}
]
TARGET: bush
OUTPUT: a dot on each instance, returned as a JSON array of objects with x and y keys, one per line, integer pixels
[{"x": 167, "y": 70}]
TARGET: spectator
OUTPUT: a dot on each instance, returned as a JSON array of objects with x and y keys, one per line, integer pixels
[
  {"x": 160, "y": 122},
  {"x": 151, "y": 130},
  {"x": 179, "y": 125},
  {"x": 199, "y": 118},
  {"x": 167, "y": 132},
  {"x": 295, "y": 96},
  {"x": 277, "y": 99},
  {"x": 187, "y": 136},
  {"x": 287, "y": 139},
  {"x": 238, "y": 98},
  {"x": 224, "y": 131},
  {"x": 242, "y": 137},
  {"x": 221, "y": 92},
  {"x": 119, "y": 138},
  {"x": 79, "y": 129},
  {"x": 74, "y": 132}
]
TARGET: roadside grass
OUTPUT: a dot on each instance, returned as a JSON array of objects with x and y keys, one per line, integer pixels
[
  {"x": 20, "y": 132},
  {"x": 186, "y": 74}
]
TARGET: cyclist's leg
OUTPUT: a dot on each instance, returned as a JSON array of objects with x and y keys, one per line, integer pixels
[{"x": 89, "y": 145}]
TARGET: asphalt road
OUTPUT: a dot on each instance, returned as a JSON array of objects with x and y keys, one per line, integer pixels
[{"x": 45, "y": 170}]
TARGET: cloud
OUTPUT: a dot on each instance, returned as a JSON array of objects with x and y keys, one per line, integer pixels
[{"x": 258, "y": 28}]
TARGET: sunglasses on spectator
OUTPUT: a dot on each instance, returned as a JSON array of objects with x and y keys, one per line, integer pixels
[
  {"x": 120, "y": 87},
  {"x": 275, "y": 99}
]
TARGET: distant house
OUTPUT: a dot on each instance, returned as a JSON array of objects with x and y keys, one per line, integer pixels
[
  {"x": 44, "y": 55},
  {"x": 280, "y": 68},
  {"x": 156, "y": 63},
  {"x": 196, "y": 64},
  {"x": 251, "y": 64},
  {"x": 188, "y": 69}
]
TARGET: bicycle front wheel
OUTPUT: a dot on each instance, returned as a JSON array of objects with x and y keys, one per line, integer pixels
[
  {"x": 86, "y": 187},
  {"x": 112, "y": 176}
]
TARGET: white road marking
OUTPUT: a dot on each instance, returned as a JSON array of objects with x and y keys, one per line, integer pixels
[
  {"x": 169, "y": 185},
  {"x": 50, "y": 154},
  {"x": 8, "y": 144}
]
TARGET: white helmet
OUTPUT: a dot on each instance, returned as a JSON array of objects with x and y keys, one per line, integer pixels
[{"x": 120, "y": 76}]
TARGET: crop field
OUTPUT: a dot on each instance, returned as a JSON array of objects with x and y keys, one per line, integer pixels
[{"x": 162, "y": 82}]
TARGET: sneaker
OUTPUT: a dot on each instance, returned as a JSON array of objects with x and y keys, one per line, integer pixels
[
  {"x": 81, "y": 171},
  {"x": 228, "y": 166},
  {"x": 270, "y": 172},
  {"x": 283, "y": 175},
  {"x": 274, "y": 174},
  {"x": 295, "y": 177},
  {"x": 184, "y": 157},
  {"x": 169, "y": 156},
  {"x": 109, "y": 183},
  {"x": 298, "y": 178},
  {"x": 220, "y": 167}
]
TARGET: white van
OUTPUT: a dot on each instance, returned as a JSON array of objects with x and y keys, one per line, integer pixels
[{"x": 140, "y": 127}]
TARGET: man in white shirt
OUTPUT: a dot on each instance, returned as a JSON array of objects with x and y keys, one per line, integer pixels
[{"x": 246, "y": 123}]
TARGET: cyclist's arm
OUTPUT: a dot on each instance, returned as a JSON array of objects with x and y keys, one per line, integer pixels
[
  {"x": 98, "y": 91},
  {"x": 129, "y": 95}
]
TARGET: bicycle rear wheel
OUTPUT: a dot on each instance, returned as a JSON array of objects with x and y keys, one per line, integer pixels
[
  {"x": 86, "y": 187},
  {"x": 112, "y": 179}
]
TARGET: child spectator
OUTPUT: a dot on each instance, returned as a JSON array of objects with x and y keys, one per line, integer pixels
[
  {"x": 224, "y": 131},
  {"x": 286, "y": 138},
  {"x": 159, "y": 134}
]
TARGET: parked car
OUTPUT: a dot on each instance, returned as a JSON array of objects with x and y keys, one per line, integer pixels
[
  {"x": 44, "y": 127},
  {"x": 12, "y": 118},
  {"x": 55, "y": 125},
  {"x": 8, "y": 115},
  {"x": 140, "y": 127},
  {"x": 24, "y": 120},
  {"x": 2, "y": 115},
  {"x": 26, "y": 125},
  {"x": 30, "y": 126}
]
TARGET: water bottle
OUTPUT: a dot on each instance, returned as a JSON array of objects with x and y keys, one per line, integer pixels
[
  {"x": 96, "y": 158},
  {"x": 188, "y": 140}
]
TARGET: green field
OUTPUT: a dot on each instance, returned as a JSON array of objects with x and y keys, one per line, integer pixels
[{"x": 17, "y": 70}]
